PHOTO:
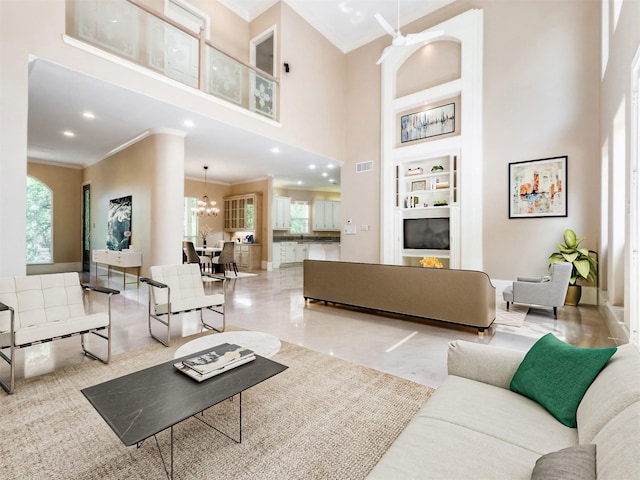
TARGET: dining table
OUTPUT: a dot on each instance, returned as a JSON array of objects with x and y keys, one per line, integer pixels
[{"x": 211, "y": 252}]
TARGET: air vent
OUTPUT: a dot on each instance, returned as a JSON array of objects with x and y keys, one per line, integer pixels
[{"x": 364, "y": 166}]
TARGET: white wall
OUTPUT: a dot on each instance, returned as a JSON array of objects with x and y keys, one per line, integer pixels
[{"x": 623, "y": 41}]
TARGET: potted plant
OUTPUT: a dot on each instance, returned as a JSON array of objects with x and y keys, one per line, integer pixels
[{"x": 585, "y": 265}]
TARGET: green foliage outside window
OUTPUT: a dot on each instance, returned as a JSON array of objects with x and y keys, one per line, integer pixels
[
  {"x": 39, "y": 222},
  {"x": 299, "y": 218}
]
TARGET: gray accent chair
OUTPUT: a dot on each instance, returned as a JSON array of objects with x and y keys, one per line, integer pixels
[{"x": 545, "y": 291}]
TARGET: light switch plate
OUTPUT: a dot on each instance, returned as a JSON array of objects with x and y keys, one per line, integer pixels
[{"x": 349, "y": 230}]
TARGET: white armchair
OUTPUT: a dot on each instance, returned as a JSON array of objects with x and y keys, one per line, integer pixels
[
  {"x": 174, "y": 289},
  {"x": 546, "y": 291}
]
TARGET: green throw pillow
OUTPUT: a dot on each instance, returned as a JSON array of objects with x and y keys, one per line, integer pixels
[{"x": 557, "y": 375}]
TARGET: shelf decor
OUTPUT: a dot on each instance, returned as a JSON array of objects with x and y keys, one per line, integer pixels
[
  {"x": 429, "y": 123},
  {"x": 418, "y": 185},
  {"x": 430, "y": 262},
  {"x": 538, "y": 188}
]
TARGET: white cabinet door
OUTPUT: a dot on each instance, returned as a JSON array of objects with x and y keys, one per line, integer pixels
[
  {"x": 318, "y": 215},
  {"x": 290, "y": 254},
  {"x": 281, "y": 213},
  {"x": 335, "y": 215},
  {"x": 300, "y": 253},
  {"x": 326, "y": 215}
]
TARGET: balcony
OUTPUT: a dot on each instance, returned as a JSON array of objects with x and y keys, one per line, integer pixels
[{"x": 137, "y": 33}]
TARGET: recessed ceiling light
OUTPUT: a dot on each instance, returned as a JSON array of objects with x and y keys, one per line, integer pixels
[
  {"x": 299, "y": 182},
  {"x": 188, "y": 123},
  {"x": 325, "y": 174},
  {"x": 88, "y": 114},
  {"x": 312, "y": 167},
  {"x": 275, "y": 150},
  {"x": 331, "y": 165},
  {"x": 68, "y": 133},
  {"x": 331, "y": 180}
]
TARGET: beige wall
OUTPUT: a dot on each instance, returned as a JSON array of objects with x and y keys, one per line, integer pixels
[
  {"x": 540, "y": 100},
  {"x": 129, "y": 172},
  {"x": 313, "y": 94},
  {"x": 66, "y": 188}
]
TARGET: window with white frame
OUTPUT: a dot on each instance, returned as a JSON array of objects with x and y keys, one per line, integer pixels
[
  {"x": 299, "y": 217},
  {"x": 190, "y": 229}
]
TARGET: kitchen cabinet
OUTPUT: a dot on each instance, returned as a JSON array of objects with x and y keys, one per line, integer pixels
[
  {"x": 326, "y": 215},
  {"x": 248, "y": 255},
  {"x": 281, "y": 214},
  {"x": 242, "y": 213},
  {"x": 289, "y": 252},
  {"x": 300, "y": 253}
]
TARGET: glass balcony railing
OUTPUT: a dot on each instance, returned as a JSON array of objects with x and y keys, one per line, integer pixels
[{"x": 137, "y": 33}]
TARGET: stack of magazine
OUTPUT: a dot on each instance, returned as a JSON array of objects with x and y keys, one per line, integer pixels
[{"x": 220, "y": 359}]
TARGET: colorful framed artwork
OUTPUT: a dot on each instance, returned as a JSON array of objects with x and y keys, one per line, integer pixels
[
  {"x": 538, "y": 188},
  {"x": 430, "y": 123}
]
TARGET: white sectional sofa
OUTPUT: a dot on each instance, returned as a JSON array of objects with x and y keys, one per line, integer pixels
[{"x": 474, "y": 427}]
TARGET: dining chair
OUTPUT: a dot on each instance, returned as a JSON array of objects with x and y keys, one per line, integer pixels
[
  {"x": 193, "y": 257},
  {"x": 227, "y": 258}
]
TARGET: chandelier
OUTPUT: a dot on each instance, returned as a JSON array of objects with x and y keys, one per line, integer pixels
[{"x": 204, "y": 206}]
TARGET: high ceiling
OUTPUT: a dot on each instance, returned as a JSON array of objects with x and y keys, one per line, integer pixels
[
  {"x": 58, "y": 97},
  {"x": 348, "y": 24}
]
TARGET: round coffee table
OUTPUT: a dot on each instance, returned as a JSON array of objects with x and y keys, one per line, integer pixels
[{"x": 261, "y": 343}]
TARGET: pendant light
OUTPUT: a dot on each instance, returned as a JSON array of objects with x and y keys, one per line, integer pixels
[{"x": 206, "y": 207}]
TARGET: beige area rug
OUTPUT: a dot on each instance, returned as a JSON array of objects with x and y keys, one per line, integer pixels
[{"x": 323, "y": 418}]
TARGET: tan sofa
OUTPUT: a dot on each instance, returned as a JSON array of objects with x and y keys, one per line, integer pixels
[
  {"x": 464, "y": 297},
  {"x": 473, "y": 427}
]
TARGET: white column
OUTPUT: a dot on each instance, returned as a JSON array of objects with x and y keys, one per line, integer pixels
[
  {"x": 14, "y": 107},
  {"x": 167, "y": 199}
]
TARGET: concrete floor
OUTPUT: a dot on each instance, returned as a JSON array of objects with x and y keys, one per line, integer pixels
[{"x": 272, "y": 302}]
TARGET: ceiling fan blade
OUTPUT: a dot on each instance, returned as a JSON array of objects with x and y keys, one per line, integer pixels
[
  {"x": 389, "y": 29},
  {"x": 385, "y": 52},
  {"x": 414, "y": 38}
]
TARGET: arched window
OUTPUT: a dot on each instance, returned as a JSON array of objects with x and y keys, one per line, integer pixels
[{"x": 39, "y": 222}]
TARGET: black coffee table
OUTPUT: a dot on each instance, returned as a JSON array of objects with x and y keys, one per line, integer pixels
[{"x": 144, "y": 403}]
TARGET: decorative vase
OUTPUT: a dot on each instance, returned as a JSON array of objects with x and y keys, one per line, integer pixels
[
  {"x": 574, "y": 293},
  {"x": 204, "y": 243}
]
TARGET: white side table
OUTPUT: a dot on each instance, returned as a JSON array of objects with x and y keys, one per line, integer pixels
[{"x": 261, "y": 343}]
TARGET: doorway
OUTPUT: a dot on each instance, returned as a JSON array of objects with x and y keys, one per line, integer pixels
[
  {"x": 86, "y": 228},
  {"x": 262, "y": 51}
]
